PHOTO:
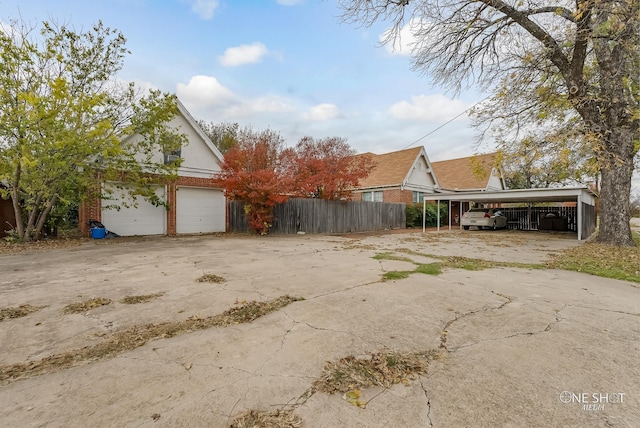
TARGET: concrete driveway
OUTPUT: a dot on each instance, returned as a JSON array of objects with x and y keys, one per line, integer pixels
[{"x": 518, "y": 346}]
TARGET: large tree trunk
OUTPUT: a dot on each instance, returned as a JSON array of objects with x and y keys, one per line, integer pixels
[
  {"x": 42, "y": 218},
  {"x": 616, "y": 175},
  {"x": 15, "y": 199}
]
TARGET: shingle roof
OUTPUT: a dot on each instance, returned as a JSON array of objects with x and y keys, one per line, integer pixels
[
  {"x": 468, "y": 173},
  {"x": 391, "y": 168}
]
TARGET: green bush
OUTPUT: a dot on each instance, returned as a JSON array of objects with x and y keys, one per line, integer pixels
[{"x": 414, "y": 215}]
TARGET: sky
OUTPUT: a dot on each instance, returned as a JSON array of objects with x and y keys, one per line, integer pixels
[{"x": 288, "y": 65}]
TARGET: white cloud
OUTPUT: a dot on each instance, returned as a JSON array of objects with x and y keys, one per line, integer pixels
[
  {"x": 322, "y": 112},
  {"x": 433, "y": 108},
  {"x": 145, "y": 86},
  {"x": 289, "y": 2},
  {"x": 243, "y": 54},
  {"x": 403, "y": 45},
  {"x": 203, "y": 92},
  {"x": 204, "y": 8},
  {"x": 265, "y": 104}
]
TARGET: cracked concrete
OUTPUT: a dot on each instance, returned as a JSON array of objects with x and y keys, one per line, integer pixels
[{"x": 513, "y": 339}]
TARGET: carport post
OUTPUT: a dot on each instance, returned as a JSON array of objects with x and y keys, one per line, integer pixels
[
  {"x": 424, "y": 215},
  {"x": 449, "y": 213},
  {"x": 438, "y": 210},
  {"x": 460, "y": 218},
  {"x": 579, "y": 207}
]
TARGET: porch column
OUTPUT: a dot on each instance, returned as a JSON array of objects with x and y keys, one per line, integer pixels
[{"x": 579, "y": 207}]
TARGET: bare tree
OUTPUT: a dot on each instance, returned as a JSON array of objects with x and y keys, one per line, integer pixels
[{"x": 573, "y": 65}]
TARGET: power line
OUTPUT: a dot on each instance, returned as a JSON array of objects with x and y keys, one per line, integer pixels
[{"x": 446, "y": 123}]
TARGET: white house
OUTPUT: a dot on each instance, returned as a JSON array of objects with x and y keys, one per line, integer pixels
[{"x": 194, "y": 205}]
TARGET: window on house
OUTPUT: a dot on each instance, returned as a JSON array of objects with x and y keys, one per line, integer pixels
[
  {"x": 418, "y": 197},
  {"x": 172, "y": 152},
  {"x": 172, "y": 156},
  {"x": 372, "y": 196}
]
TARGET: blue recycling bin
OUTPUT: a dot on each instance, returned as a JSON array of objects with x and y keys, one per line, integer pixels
[{"x": 98, "y": 232}]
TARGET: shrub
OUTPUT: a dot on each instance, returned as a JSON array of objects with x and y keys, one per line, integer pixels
[{"x": 414, "y": 215}]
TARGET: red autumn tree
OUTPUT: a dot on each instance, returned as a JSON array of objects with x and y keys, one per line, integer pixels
[
  {"x": 252, "y": 172},
  {"x": 260, "y": 172},
  {"x": 326, "y": 168}
]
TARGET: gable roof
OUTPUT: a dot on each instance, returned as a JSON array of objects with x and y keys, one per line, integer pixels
[
  {"x": 392, "y": 169},
  {"x": 191, "y": 121},
  {"x": 469, "y": 173}
]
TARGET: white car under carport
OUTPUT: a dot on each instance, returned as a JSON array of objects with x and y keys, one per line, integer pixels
[{"x": 484, "y": 218}]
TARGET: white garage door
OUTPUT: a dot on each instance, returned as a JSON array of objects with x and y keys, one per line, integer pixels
[
  {"x": 145, "y": 219},
  {"x": 199, "y": 210}
]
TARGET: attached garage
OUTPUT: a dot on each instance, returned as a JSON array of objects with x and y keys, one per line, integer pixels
[
  {"x": 199, "y": 210},
  {"x": 141, "y": 218}
]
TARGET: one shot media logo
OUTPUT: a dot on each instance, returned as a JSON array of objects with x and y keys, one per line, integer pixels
[{"x": 592, "y": 400}]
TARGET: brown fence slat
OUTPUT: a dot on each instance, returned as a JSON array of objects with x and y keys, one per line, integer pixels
[{"x": 320, "y": 216}]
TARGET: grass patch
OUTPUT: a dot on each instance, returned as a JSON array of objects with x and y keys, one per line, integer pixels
[
  {"x": 136, "y": 336},
  {"x": 143, "y": 298},
  {"x": 455, "y": 262},
  {"x": 209, "y": 277},
  {"x": 381, "y": 369},
  {"x": 391, "y": 256},
  {"x": 447, "y": 262},
  {"x": 80, "y": 307},
  {"x": 274, "y": 419},
  {"x": 18, "y": 312},
  {"x": 429, "y": 269},
  {"x": 601, "y": 260},
  {"x": 396, "y": 274}
]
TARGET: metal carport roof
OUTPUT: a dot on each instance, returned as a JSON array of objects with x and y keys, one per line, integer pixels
[{"x": 579, "y": 195}]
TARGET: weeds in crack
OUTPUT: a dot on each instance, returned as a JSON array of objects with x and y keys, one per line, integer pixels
[
  {"x": 143, "y": 298},
  {"x": 274, "y": 419},
  {"x": 18, "y": 312},
  {"x": 380, "y": 369},
  {"x": 209, "y": 277},
  {"x": 80, "y": 307},
  {"x": 136, "y": 336},
  {"x": 450, "y": 262},
  {"x": 347, "y": 375}
]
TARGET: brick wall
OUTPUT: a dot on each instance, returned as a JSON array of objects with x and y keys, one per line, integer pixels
[
  {"x": 7, "y": 217},
  {"x": 390, "y": 195},
  {"x": 397, "y": 195}
]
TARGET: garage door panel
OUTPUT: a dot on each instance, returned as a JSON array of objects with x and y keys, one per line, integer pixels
[
  {"x": 139, "y": 218},
  {"x": 200, "y": 210}
]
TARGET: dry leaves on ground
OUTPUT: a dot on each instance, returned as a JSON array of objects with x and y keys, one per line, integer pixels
[
  {"x": 136, "y": 336},
  {"x": 79, "y": 307},
  {"x": 143, "y": 298},
  {"x": 45, "y": 244},
  {"x": 274, "y": 419},
  {"x": 209, "y": 277},
  {"x": 381, "y": 369},
  {"x": 18, "y": 312}
]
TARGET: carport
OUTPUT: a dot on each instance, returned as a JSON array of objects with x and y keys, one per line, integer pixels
[{"x": 583, "y": 198}]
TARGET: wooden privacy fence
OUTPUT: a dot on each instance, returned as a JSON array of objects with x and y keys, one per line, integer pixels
[{"x": 320, "y": 216}]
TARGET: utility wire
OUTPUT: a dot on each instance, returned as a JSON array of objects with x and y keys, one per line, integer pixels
[{"x": 446, "y": 123}]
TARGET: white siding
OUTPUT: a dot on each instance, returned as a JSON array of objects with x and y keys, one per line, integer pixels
[
  {"x": 197, "y": 156},
  {"x": 494, "y": 182},
  {"x": 420, "y": 176}
]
